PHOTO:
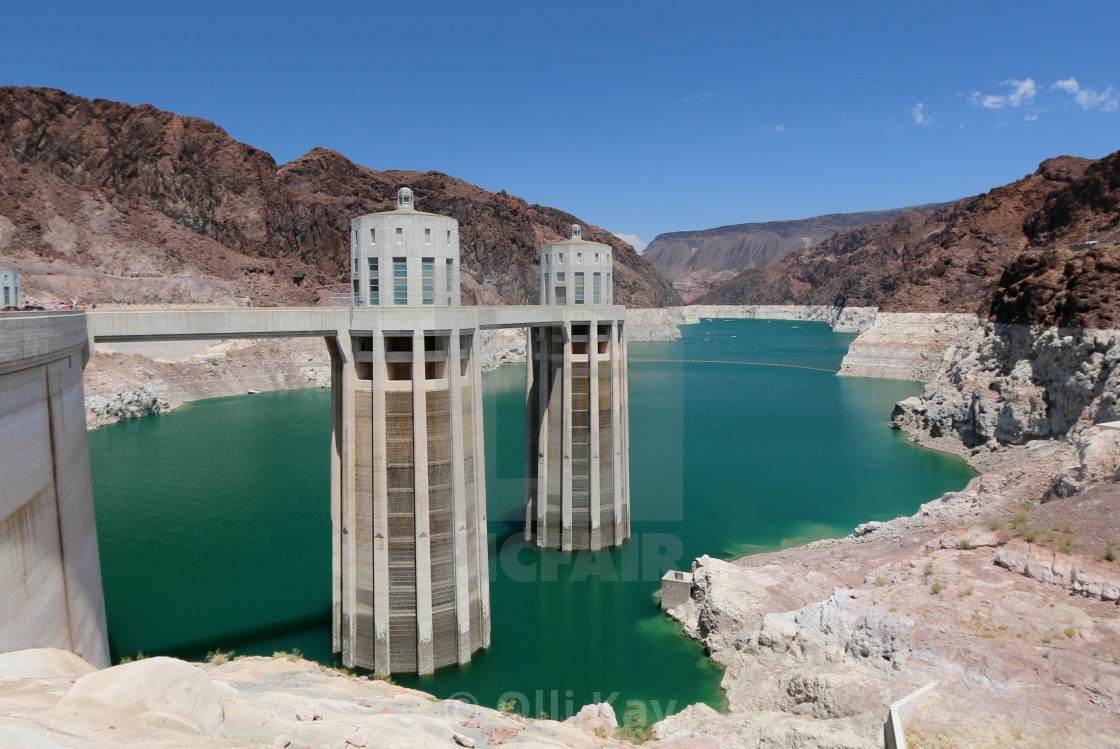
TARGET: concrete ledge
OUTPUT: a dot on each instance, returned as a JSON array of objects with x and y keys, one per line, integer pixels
[
  {"x": 28, "y": 339},
  {"x": 894, "y": 730}
]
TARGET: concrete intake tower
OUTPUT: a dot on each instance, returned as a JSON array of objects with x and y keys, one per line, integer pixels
[
  {"x": 577, "y": 468},
  {"x": 411, "y": 570}
]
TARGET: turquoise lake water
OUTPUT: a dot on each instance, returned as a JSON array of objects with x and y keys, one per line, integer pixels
[{"x": 214, "y": 520}]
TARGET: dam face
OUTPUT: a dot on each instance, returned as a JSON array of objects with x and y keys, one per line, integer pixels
[{"x": 50, "y": 573}]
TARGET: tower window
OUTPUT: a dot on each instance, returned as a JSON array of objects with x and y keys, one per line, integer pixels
[
  {"x": 448, "y": 237},
  {"x": 400, "y": 280},
  {"x": 596, "y": 258},
  {"x": 596, "y": 289},
  {"x": 427, "y": 236},
  {"x": 545, "y": 290},
  {"x": 450, "y": 273},
  {"x": 374, "y": 282},
  {"x": 373, "y": 236},
  {"x": 400, "y": 235},
  {"x": 579, "y": 258},
  {"x": 579, "y": 288},
  {"x": 427, "y": 280}
]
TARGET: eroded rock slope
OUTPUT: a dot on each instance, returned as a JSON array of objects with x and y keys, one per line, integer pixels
[{"x": 110, "y": 202}]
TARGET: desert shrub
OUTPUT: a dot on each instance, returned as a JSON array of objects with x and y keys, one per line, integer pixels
[{"x": 218, "y": 657}]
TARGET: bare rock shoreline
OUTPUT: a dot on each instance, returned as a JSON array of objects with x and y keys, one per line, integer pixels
[
  {"x": 52, "y": 698},
  {"x": 1004, "y": 593}
]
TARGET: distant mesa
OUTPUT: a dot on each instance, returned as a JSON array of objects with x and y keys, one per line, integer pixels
[
  {"x": 971, "y": 255},
  {"x": 698, "y": 261}
]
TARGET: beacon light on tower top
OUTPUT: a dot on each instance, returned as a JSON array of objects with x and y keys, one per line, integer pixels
[
  {"x": 404, "y": 258},
  {"x": 576, "y": 272}
]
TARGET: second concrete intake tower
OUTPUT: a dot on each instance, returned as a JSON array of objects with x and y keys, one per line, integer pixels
[{"x": 577, "y": 469}]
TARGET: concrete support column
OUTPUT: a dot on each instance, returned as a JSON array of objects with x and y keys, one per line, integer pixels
[
  {"x": 532, "y": 440},
  {"x": 480, "y": 490},
  {"x": 616, "y": 430},
  {"x": 424, "y": 646},
  {"x": 343, "y": 504},
  {"x": 337, "y": 362},
  {"x": 624, "y": 456},
  {"x": 459, "y": 500},
  {"x": 380, "y": 483},
  {"x": 544, "y": 390},
  {"x": 566, "y": 447},
  {"x": 593, "y": 473}
]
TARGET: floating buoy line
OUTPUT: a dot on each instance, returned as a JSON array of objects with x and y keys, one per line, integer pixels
[{"x": 710, "y": 361}]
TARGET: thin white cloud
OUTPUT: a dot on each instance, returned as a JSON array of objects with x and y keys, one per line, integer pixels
[
  {"x": 919, "y": 113},
  {"x": 1030, "y": 117},
  {"x": 1024, "y": 92},
  {"x": 694, "y": 97},
  {"x": 779, "y": 128},
  {"x": 631, "y": 239},
  {"x": 1087, "y": 98}
]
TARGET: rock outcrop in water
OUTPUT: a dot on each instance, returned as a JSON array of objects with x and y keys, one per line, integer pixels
[{"x": 116, "y": 203}]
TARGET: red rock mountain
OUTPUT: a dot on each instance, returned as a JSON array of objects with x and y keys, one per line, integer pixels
[
  {"x": 106, "y": 201},
  {"x": 967, "y": 256}
]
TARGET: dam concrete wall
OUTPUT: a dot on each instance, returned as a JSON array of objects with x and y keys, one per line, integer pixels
[{"x": 50, "y": 573}]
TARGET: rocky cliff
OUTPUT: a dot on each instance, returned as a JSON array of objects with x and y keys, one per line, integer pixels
[
  {"x": 106, "y": 201},
  {"x": 949, "y": 259},
  {"x": 1010, "y": 384},
  {"x": 1074, "y": 288}
]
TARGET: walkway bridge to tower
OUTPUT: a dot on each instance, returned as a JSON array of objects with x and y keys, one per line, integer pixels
[{"x": 409, "y": 558}]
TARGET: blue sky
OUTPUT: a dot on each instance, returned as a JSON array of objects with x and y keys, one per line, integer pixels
[{"x": 641, "y": 117}]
